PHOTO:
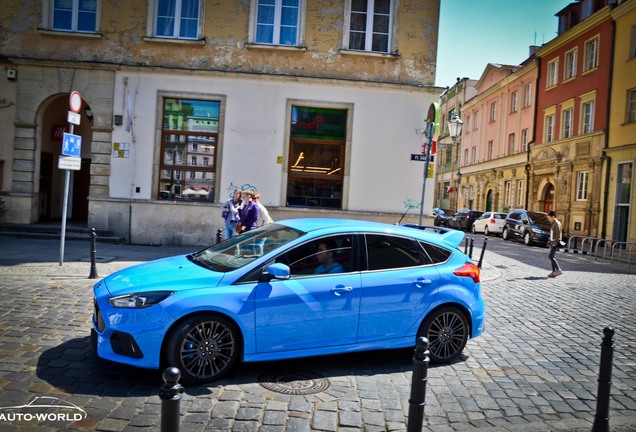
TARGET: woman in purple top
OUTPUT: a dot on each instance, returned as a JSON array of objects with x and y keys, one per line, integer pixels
[{"x": 249, "y": 212}]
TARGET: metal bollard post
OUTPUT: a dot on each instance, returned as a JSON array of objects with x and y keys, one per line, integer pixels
[
  {"x": 418, "y": 386},
  {"x": 170, "y": 395},
  {"x": 466, "y": 246},
  {"x": 93, "y": 274},
  {"x": 483, "y": 250},
  {"x": 219, "y": 235},
  {"x": 470, "y": 251},
  {"x": 601, "y": 420}
]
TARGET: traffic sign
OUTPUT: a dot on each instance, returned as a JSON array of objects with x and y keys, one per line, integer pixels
[
  {"x": 418, "y": 157},
  {"x": 71, "y": 145},
  {"x": 69, "y": 163},
  {"x": 75, "y": 101},
  {"x": 73, "y": 118}
]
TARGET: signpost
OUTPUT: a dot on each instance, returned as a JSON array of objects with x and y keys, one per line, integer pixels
[
  {"x": 432, "y": 121},
  {"x": 70, "y": 158}
]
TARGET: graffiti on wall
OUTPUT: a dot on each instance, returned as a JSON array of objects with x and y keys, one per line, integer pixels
[{"x": 245, "y": 186}]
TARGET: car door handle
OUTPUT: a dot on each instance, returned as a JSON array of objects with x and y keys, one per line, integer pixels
[
  {"x": 420, "y": 282},
  {"x": 338, "y": 291}
]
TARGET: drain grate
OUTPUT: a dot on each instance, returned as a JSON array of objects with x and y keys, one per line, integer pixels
[{"x": 294, "y": 383}]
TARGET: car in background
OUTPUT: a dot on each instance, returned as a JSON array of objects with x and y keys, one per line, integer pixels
[
  {"x": 529, "y": 226},
  {"x": 259, "y": 296},
  {"x": 490, "y": 223},
  {"x": 463, "y": 219},
  {"x": 441, "y": 217}
]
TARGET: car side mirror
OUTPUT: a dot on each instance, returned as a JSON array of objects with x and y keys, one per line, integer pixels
[
  {"x": 525, "y": 221},
  {"x": 277, "y": 271}
]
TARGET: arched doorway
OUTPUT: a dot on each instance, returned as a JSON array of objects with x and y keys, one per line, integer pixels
[
  {"x": 53, "y": 121},
  {"x": 548, "y": 198},
  {"x": 488, "y": 200}
]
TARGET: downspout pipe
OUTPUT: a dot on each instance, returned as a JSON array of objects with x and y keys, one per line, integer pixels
[{"x": 606, "y": 160}]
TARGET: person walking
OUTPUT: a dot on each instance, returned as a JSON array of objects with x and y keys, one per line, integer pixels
[
  {"x": 230, "y": 213},
  {"x": 554, "y": 243},
  {"x": 248, "y": 213},
  {"x": 263, "y": 214}
]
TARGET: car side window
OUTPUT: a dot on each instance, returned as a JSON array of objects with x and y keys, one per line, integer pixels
[
  {"x": 435, "y": 253},
  {"x": 326, "y": 255},
  {"x": 389, "y": 252}
]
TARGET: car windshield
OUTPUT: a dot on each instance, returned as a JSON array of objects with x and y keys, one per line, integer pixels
[
  {"x": 540, "y": 219},
  {"x": 241, "y": 250}
]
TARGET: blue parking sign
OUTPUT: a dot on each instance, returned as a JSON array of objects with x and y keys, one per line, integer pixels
[{"x": 71, "y": 145}]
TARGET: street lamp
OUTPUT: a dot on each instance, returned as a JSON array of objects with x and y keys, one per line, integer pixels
[{"x": 455, "y": 130}]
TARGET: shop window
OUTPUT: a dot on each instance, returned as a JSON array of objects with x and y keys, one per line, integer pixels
[
  {"x": 316, "y": 157},
  {"x": 189, "y": 134}
]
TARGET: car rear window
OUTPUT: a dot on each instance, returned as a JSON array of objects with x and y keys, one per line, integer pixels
[
  {"x": 436, "y": 254},
  {"x": 388, "y": 252}
]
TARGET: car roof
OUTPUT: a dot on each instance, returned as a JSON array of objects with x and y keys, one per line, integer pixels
[{"x": 332, "y": 225}]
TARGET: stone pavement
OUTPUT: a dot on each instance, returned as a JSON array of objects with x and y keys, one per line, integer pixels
[{"x": 534, "y": 369}]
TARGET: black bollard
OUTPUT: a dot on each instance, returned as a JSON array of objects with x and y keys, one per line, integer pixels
[
  {"x": 466, "y": 246},
  {"x": 418, "y": 386},
  {"x": 170, "y": 395},
  {"x": 470, "y": 250},
  {"x": 601, "y": 420},
  {"x": 483, "y": 250},
  {"x": 93, "y": 274},
  {"x": 219, "y": 235}
]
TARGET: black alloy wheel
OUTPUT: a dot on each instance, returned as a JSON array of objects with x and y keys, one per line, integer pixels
[
  {"x": 447, "y": 332},
  {"x": 203, "y": 348}
]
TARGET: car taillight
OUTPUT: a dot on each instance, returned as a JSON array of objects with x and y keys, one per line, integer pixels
[
  {"x": 491, "y": 221},
  {"x": 468, "y": 270}
]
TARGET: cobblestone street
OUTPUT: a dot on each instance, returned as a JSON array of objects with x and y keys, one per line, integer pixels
[{"x": 534, "y": 369}]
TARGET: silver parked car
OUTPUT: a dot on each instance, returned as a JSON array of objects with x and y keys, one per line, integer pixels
[{"x": 490, "y": 223}]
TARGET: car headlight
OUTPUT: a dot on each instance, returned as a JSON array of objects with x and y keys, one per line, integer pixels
[
  {"x": 139, "y": 300},
  {"x": 537, "y": 231}
]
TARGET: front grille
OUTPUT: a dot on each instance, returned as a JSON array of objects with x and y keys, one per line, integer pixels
[{"x": 97, "y": 316}]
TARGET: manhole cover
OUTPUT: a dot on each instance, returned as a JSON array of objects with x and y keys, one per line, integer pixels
[{"x": 294, "y": 383}]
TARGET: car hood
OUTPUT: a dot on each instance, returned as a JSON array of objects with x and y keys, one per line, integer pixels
[{"x": 175, "y": 274}]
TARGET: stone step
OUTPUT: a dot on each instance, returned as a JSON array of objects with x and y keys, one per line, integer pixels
[{"x": 54, "y": 231}]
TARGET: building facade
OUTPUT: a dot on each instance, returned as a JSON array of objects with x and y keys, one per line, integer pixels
[{"x": 305, "y": 102}]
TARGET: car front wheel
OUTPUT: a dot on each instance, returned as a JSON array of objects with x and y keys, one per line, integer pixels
[
  {"x": 203, "y": 348},
  {"x": 527, "y": 239},
  {"x": 447, "y": 333},
  {"x": 486, "y": 230},
  {"x": 474, "y": 229},
  {"x": 505, "y": 234}
]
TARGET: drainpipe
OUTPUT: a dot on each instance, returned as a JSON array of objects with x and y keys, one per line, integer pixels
[
  {"x": 606, "y": 162},
  {"x": 605, "y": 159}
]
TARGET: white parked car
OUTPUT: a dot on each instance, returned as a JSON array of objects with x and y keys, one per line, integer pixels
[{"x": 490, "y": 223}]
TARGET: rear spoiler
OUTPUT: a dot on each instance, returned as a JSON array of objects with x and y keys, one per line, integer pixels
[{"x": 451, "y": 237}]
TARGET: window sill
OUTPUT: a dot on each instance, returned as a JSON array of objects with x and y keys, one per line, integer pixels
[
  {"x": 275, "y": 47},
  {"x": 567, "y": 80},
  {"x": 67, "y": 33},
  {"x": 394, "y": 55},
  {"x": 174, "y": 41}
]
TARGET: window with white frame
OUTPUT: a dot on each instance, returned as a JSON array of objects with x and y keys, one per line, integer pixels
[
  {"x": 74, "y": 15},
  {"x": 513, "y": 101},
  {"x": 519, "y": 193},
  {"x": 507, "y": 192},
  {"x": 570, "y": 65},
  {"x": 278, "y": 22},
  {"x": 493, "y": 111},
  {"x": 524, "y": 139},
  {"x": 527, "y": 95},
  {"x": 476, "y": 121},
  {"x": 491, "y": 149},
  {"x": 553, "y": 73},
  {"x": 549, "y": 128},
  {"x": 631, "y": 106},
  {"x": 511, "y": 144},
  {"x": 370, "y": 25},
  {"x": 567, "y": 123},
  {"x": 581, "y": 185},
  {"x": 587, "y": 121},
  {"x": 467, "y": 124},
  {"x": 177, "y": 19},
  {"x": 591, "y": 54}
]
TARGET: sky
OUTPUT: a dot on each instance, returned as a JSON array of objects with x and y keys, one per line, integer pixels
[{"x": 473, "y": 33}]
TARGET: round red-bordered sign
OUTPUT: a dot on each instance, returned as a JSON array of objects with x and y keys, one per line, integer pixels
[{"x": 75, "y": 101}]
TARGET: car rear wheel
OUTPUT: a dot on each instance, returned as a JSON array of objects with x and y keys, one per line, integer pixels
[
  {"x": 203, "y": 348},
  {"x": 527, "y": 238},
  {"x": 505, "y": 234},
  {"x": 486, "y": 230},
  {"x": 474, "y": 229},
  {"x": 447, "y": 333}
]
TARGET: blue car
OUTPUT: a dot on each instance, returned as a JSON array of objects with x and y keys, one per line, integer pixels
[{"x": 296, "y": 288}]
